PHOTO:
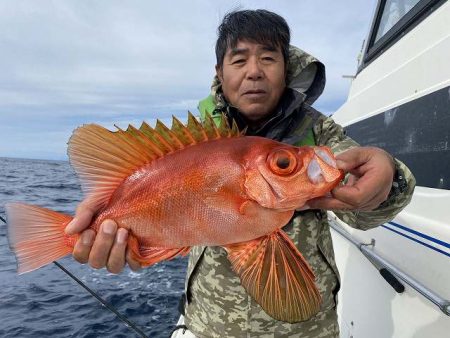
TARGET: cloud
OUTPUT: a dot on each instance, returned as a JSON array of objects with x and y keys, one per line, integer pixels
[{"x": 65, "y": 63}]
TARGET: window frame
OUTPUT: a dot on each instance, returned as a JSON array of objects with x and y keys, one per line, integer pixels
[{"x": 411, "y": 19}]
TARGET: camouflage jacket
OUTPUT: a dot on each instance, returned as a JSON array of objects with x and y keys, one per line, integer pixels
[{"x": 217, "y": 304}]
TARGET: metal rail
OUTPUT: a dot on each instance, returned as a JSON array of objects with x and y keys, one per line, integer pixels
[{"x": 442, "y": 303}]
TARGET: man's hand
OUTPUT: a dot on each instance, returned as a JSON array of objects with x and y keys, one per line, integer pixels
[
  {"x": 372, "y": 172},
  {"x": 106, "y": 248}
]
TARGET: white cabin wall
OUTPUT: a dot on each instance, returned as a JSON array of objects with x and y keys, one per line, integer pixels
[
  {"x": 375, "y": 309},
  {"x": 403, "y": 72},
  {"x": 416, "y": 65}
]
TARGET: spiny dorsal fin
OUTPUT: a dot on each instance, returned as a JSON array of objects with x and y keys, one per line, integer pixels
[
  {"x": 170, "y": 141},
  {"x": 224, "y": 127},
  {"x": 211, "y": 128},
  {"x": 103, "y": 159},
  {"x": 155, "y": 138},
  {"x": 196, "y": 128}
]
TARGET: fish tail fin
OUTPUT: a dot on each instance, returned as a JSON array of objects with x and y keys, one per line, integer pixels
[
  {"x": 276, "y": 275},
  {"x": 36, "y": 235}
]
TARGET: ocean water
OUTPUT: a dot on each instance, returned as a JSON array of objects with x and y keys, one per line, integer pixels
[{"x": 46, "y": 302}]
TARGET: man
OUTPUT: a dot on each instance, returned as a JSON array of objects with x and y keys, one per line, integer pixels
[{"x": 268, "y": 88}]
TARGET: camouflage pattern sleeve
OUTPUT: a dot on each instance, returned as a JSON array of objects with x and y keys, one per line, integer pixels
[{"x": 330, "y": 134}]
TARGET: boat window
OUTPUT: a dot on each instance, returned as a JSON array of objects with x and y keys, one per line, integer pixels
[
  {"x": 393, "y": 11},
  {"x": 416, "y": 133},
  {"x": 393, "y": 19}
]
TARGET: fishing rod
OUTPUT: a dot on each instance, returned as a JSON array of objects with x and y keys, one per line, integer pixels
[{"x": 125, "y": 320}]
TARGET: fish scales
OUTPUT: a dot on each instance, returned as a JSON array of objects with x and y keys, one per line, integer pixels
[{"x": 186, "y": 204}]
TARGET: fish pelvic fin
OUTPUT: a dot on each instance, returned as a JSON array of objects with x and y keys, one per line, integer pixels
[
  {"x": 36, "y": 235},
  {"x": 102, "y": 158},
  {"x": 276, "y": 275},
  {"x": 150, "y": 256}
]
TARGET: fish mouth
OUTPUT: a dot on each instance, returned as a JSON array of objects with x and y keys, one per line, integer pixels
[
  {"x": 325, "y": 156},
  {"x": 314, "y": 170}
]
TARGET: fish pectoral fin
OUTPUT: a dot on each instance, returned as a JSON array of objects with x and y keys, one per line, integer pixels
[
  {"x": 276, "y": 275},
  {"x": 150, "y": 255}
]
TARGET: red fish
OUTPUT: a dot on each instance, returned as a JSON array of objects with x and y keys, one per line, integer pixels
[{"x": 193, "y": 185}]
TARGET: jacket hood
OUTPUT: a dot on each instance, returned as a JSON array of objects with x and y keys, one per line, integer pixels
[{"x": 305, "y": 74}]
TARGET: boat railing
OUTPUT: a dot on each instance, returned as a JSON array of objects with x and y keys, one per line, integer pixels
[{"x": 390, "y": 272}]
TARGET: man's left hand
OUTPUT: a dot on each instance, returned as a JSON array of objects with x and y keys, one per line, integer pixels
[{"x": 371, "y": 175}]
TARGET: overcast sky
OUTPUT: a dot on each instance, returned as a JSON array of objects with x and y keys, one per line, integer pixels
[{"x": 66, "y": 63}]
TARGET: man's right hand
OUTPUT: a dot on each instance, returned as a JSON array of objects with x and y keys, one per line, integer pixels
[{"x": 107, "y": 248}]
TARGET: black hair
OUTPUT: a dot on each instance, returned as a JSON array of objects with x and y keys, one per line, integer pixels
[{"x": 260, "y": 26}]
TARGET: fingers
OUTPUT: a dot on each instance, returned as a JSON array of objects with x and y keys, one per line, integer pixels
[
  {"x": 372, "y": 171},
  {"x": 362, "y": 196},
  {"x": 107, "y": 248},
  {"x": 83, "y": 216},
  {"x": 353, "y": 158},
  {"x": 116, "y": 260},
  {"x": 358, "y": 194},
  {"x": 103, "y": 243},
  {"x": 133, "y": 264},
  {"x": 83, "y": 246},
  {"x": 329, "y": 203}
]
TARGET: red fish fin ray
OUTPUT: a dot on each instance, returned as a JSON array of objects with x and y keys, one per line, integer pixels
[
  {"x": 150, "y": 256},
  {"x": 196, "y": 128},
  {"x": 211, "y": 128},
  {"x": 36, "y": 235},
  {"x": 155, "y": 138},
  {"x": 103, "y": 159},
  {"x": 169, "y": 138},
  {"x": 224, "y": 127},
  {"x": 153, "y": 151},
  {"x": 235, "y": 130},
  {"x": 183, "y": 133},
  {"x": 277, "y": 276}
]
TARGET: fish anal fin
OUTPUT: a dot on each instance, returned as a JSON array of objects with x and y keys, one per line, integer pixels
[
  {"x": 276, "y": 275},
  {"x": 149, "y": 256}
]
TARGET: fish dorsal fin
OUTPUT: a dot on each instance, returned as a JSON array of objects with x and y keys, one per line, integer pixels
[
  {"x": 276, "y": 275},
  {"x": 103, "y": 159}
]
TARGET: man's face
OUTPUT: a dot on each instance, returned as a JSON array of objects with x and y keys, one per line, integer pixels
[{"x": 253, "y": 79}]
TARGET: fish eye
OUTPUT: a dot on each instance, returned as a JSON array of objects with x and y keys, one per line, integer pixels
[{"x": 282, "y": 162}]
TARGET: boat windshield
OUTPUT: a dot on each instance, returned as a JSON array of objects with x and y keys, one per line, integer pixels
[{"x": 393, "y": 11}]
